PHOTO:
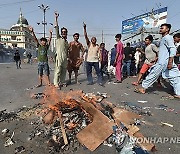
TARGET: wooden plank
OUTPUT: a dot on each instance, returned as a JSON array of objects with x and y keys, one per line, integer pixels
[
  {"x": 144, "y": 145},
  {"x": 62, "y": 128},
  {"x": 124, "y": 116},
  {"x": 96, "y": 132}
]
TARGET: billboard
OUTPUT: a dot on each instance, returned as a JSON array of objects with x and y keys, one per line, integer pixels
[{"x": 146, "y": 20}]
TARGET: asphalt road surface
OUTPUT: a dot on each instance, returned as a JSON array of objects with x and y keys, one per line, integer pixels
[{"x": 16, "y": 86}]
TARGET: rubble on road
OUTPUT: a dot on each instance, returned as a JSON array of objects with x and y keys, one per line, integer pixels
[
  {"x": 7, "y": 116},
  {"x": 137, "y": 109},
  {"x": 38, "y": 96},
  {"x": 70, "y": 120}
]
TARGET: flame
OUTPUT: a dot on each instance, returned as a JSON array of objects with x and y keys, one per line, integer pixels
[{"x": 56, "y": 99}]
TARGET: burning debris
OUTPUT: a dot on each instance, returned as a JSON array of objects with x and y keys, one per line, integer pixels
[{"x": 68, "y": 121}]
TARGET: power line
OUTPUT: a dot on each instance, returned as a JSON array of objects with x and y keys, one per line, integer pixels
[
  {"x": 24, "y": 13},
  {"x": 172, "y": 2},
  {"x": 15, "y": 3},
  {"x": 174, "y": 15}
]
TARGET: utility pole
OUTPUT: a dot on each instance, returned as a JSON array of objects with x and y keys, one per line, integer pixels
[
  {"x": 142, "y": 35},
  {"x": 44, "y": 9},
  {"x": 102, "y": 36}
]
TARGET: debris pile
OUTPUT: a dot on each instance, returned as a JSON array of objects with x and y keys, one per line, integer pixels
[{"x": 70, "y": 120}]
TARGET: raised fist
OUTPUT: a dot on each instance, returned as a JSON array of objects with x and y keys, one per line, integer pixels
[{"x": 56, "y": 14}]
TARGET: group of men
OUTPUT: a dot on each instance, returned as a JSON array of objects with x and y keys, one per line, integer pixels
[
  {"x": 164, "y": 63},
  {"x": 68, "y": 57}
]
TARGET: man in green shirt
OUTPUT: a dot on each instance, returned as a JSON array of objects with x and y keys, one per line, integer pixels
[
  {"x": 42, "y": 56},
  {"x": 61, "y": 54}
]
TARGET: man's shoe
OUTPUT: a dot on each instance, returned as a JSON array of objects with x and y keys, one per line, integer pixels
[
  {"x": 101, "y": 84},
  {"x": 89, "y": 83},
  {"x": 118, "y": 81},
  {"x": 69, "y": 82}
]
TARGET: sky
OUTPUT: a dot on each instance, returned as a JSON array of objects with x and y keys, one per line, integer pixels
[{"x": 99, "y": 15}]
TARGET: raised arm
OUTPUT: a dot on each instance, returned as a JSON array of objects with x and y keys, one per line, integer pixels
[
  {"x": 32, "y": 31},
  {"x": 50, "y": 36},
  {"x": 85, "y": 35},
  {"x": 56, "y": 24}
]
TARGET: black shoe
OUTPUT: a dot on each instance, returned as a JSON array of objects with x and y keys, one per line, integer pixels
[
  {"x": 69, "y": 82},
  {"x": 101, "y": 84},
  {"x": 118, "y": 81},
  {"x": 89, "y": 83}
]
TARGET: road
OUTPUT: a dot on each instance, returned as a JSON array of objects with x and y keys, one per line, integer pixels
[{"x": 15, "y": 91}]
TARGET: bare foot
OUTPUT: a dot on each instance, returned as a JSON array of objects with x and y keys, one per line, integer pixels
[
  {"x": 135, "y": 83},
  {"x": 140, "y": 90},
  {"x": 159, "y": 85},
  {"x": 57, "y": 87},
  {"x": 177, "y": 96}
]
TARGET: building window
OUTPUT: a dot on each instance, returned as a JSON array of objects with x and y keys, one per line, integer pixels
[{"x": 13, "y": 37}]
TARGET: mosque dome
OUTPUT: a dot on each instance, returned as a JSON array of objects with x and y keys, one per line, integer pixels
[{"x": 22, "y": 21}]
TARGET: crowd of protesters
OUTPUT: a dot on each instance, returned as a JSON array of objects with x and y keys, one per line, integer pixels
[{"x": 148, "y": 63}]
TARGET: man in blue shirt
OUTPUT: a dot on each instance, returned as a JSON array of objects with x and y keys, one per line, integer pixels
[
  {"x": 113, "y": 55},
  {"x": 165, "y": 64}
]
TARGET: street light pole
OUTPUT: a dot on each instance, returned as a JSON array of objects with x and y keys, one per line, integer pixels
[{"x": 44, "y": 8}]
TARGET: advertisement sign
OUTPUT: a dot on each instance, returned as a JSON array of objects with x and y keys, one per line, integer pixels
[{"x": 147, "y": 20}]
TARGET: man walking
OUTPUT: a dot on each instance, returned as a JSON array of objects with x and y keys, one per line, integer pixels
[
  {"x": 61, "y": 55},
  {"x": 151, "y": 54},
  {"x": 128, "y": 51},
  {"x": 74, "y": 57},
  {"x": 118, "y": 59},
  {"x": 177, "y": 44},
  {"x": 104, "y": 60},
  {"x": 42, "y": 57},
  {"x": 29, "y": 56},
  {"x": 17, "y": 59},
  {"x": 165, "y": 64},
  {"x": 93, "y": 58}
]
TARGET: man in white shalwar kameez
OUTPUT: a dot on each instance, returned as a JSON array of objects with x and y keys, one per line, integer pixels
[{"x": 165, "y": 64}]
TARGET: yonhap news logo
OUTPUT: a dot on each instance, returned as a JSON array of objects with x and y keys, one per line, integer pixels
[{"x": 155, "y": 140}]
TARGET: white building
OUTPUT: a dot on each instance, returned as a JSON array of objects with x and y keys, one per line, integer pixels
[{"x": 18, "y": 36}]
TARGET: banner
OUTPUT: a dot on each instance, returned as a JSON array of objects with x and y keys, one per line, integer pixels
[{"x": 147, "y": 20}]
